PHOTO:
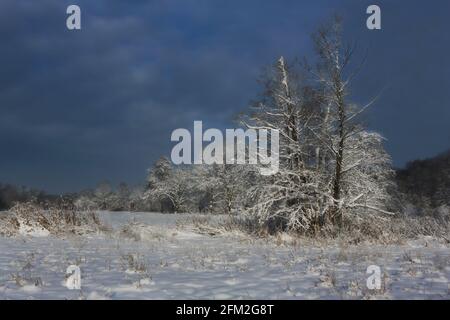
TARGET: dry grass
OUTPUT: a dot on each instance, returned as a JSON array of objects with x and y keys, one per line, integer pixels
[
  {"x": 395, "y": 230},
  {"x": 60, "y": 219},
  {"x": 130, "y": 231},
  {"x": 355, "y": 230},
  {"x": 134, "y": 262}
]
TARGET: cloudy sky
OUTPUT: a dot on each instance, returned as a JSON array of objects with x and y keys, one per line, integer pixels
[{"x": 79, "y": 107}]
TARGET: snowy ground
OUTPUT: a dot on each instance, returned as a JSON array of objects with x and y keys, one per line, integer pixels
[{"x": 171, "y": 261}]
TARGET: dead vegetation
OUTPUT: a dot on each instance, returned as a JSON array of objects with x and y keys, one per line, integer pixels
[
  {"x": 55, "y": 220},
  {"x": 355, "y": 230}
]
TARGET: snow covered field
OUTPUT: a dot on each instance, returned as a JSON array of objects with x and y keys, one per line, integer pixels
[{"x": 166, "y": 259}]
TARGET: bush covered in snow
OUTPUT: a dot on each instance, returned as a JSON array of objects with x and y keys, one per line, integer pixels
[{"x": 38, "y": 220}]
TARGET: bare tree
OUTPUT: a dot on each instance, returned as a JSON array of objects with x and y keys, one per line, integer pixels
[
  {"x": 288, "y": 199},
  {"x": 340, "y": 133}
]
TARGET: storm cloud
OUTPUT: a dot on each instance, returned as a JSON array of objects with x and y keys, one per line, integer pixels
[{"x": 79, "y": 107}]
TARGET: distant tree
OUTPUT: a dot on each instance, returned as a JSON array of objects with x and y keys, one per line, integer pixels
[
  {"x": 426, "y": 183},
  {"x": 103, "y": 194},
  {"x": 166, "y": 183}
]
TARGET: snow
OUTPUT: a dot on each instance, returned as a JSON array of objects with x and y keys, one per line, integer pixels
[
  {"x": 171, "y": 261},
  {"x": 27, "y": 229}
]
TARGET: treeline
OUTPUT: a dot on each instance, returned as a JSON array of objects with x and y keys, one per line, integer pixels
[
  {"x": 425, "y": 184},
  {"x": 10, "y": 194},
  {"x": 423, "y": 188},
  {"x": 103, "y": 197},
  {"x": 106, "y": 197}
]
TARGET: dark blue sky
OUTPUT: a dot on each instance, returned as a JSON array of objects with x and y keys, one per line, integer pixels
[{"x": 79, "y": 107}]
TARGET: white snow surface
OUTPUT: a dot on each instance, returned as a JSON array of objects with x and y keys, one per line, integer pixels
[{"x": 169, "y": 260}]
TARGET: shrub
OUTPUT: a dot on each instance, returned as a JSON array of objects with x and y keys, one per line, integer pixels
[{"x": 55, "y": 219}]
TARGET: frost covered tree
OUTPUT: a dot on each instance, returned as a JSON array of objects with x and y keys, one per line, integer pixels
[
  {"x": 120, "y": 199},
  {"x": 103, "y": 194},
  {"x": 85, "y": 203},
  {"x": 359, "y": 166},
  {"x": 169, "y": 184},
  {"x": 290, "y": 198},
  {"x": 367, "y": 175},
  {"x": 228, "y": 184},
  {"x": 330, "y": 165}
]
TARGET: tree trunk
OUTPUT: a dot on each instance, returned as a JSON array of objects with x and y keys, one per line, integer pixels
[{"x": 337, "y": 213}]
